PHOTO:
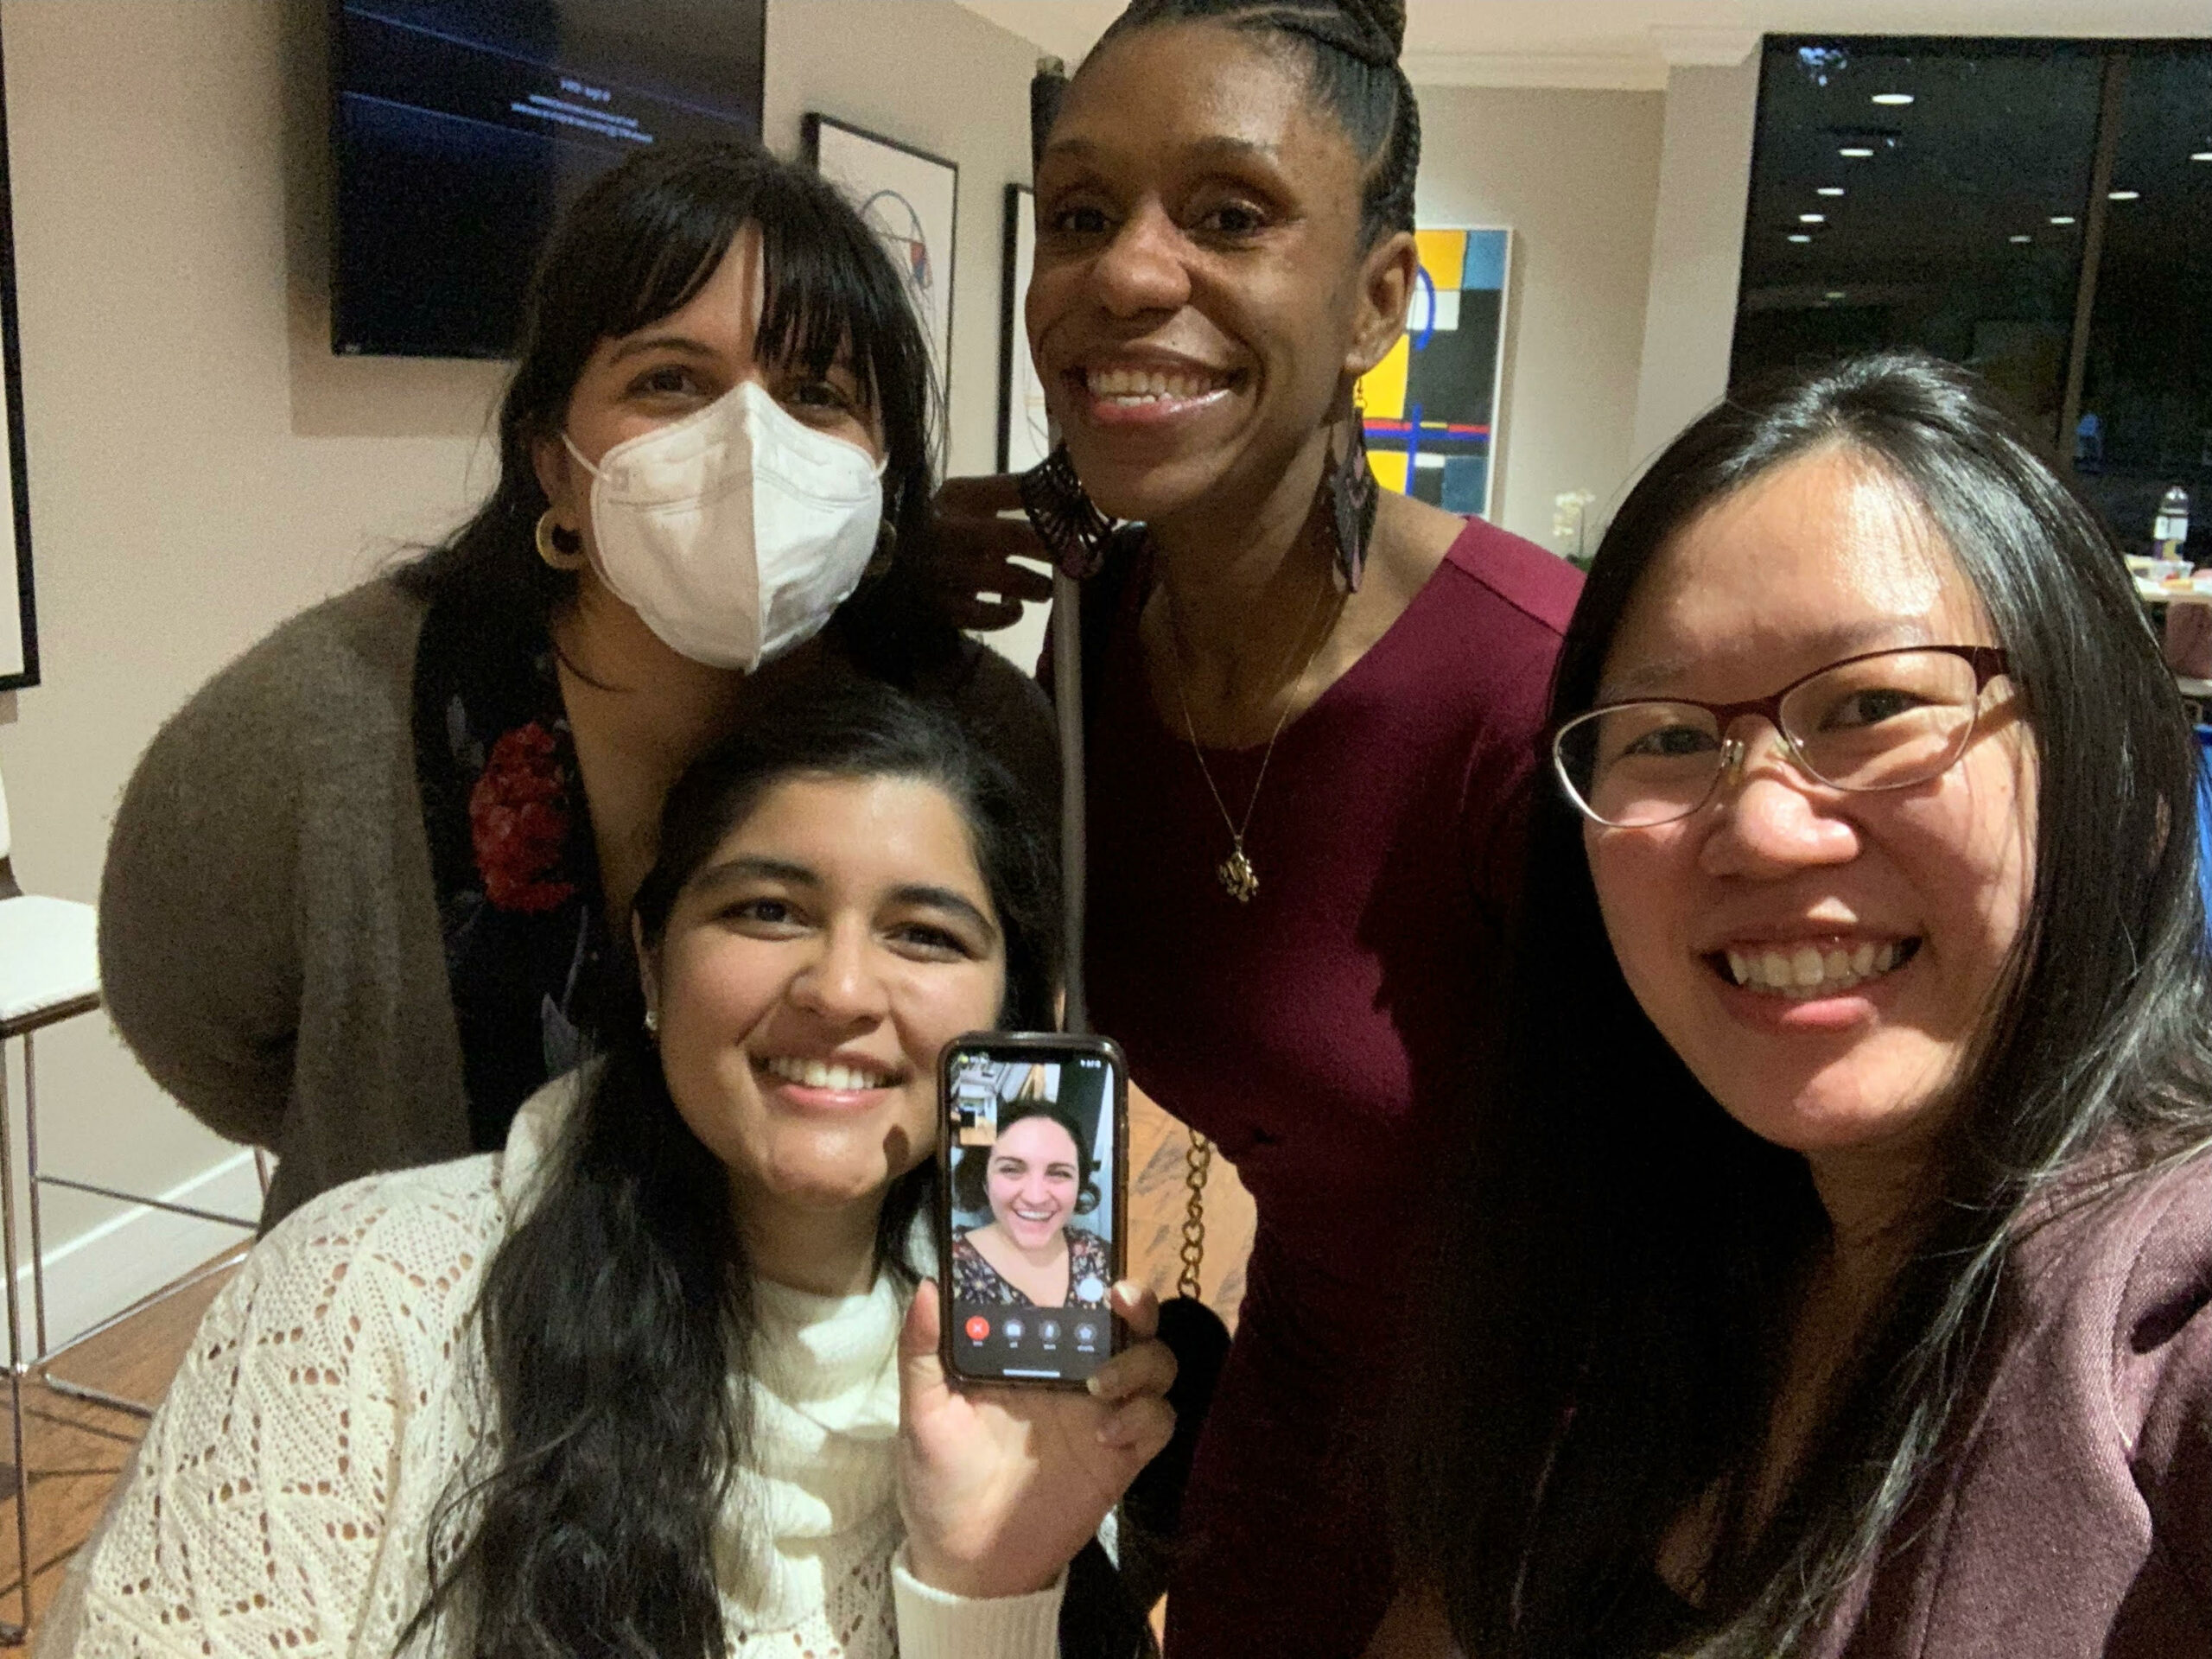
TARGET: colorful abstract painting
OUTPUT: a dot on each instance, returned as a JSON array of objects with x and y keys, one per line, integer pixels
[{"x": 1431, "y": 406}]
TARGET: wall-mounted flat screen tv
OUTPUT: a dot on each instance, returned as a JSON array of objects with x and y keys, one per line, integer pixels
[{"x": 461, "y": 128}]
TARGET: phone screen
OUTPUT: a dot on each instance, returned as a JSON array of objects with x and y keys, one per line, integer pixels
[{"x": 1031, "y": 1205}]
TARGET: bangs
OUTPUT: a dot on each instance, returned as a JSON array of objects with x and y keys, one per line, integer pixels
[{"x": 833, "y": 297}]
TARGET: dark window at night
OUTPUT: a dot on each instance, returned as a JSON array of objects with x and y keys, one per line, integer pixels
[{"x": 2030, "y": 208}]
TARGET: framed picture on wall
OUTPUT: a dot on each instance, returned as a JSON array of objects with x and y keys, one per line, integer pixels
[
  {"x": 1430, "y": 409},
  {"x": 912, "y": 200},
  {"x": 1024, "y": 438},
  {"x": 18, "y": 617}
]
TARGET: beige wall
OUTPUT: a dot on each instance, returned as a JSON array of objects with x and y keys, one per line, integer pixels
[
  {"x": 939, "y": 78},
  {"x": 1704, "y": 180},
  {"x": 1575, "y": 174},
  {"x": 201, "y": 466}
]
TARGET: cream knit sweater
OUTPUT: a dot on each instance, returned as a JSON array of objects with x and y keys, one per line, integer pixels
[{"x": 281, "y": 1500}]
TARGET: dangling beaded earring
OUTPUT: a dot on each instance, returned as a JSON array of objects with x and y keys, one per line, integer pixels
[
  {"x": 1352, "y": 498},
  {"x": 1073, "y": 530}
]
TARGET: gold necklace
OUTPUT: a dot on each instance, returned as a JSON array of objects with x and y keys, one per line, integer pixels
[{"x": 1237, "y": 877}]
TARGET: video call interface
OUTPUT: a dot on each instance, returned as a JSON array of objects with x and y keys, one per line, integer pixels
[{"x": 1020, "y": 1203}]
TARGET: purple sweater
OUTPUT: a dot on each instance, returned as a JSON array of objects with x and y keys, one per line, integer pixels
[{"x": 2078, "y": 1520}]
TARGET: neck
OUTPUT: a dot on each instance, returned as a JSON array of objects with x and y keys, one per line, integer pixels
[
  {"x": 1046, "y": 1256},
  {"x": 1244, "y": 578},
  {"x": 823, "y": 1251},
  {"x": 647, "y": 700},
  {"x": 1872, "y": 1198}
]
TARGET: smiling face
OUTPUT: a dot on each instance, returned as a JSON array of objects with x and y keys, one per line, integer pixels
[
  {"x": 1200, "y": 297},
  {"x": 1034, "y": 1180},
  {"x": 632, "y": 383},
  {"x": 1894, "y": 913},
  {"x": 810, "y": 973}
]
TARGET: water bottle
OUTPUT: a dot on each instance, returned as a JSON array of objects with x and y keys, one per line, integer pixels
[{"x": 2170, "y": 530}]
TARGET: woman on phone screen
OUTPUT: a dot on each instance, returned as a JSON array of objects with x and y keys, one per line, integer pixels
[{"x": 1034, "y": 1179}]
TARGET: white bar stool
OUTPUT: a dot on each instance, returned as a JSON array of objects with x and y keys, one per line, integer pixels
[{"x": 49, "y": 972}]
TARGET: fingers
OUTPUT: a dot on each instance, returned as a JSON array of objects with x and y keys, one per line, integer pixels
[
  {"x": 991, "y": 563},
  {"x": 1141, "y": 1369},
  {"x": 1141, "y": 1427},
  {"x": 983, "y": 494},
  {"x": 982, "y": 615},
  {"x": 920, "y": 1371},
  {"x": 1138, "y": 1306}
]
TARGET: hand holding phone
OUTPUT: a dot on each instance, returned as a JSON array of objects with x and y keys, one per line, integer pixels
[{"x": 999, "y": 1488}]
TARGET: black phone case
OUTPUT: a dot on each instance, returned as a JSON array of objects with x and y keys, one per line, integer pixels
[{"x": 1027, "y": 1045}]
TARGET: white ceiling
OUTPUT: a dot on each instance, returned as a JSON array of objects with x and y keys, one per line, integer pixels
[{"x": 1629, "y": 43}]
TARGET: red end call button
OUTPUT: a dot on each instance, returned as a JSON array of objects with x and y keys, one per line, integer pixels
[{"x": 979, "y": 1328}]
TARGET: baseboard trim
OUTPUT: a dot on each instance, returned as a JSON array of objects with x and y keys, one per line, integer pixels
[{"x": 133, "y": 1254}]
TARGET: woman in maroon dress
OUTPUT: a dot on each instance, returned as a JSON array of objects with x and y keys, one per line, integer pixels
[{"x": 1311, "y": 715}]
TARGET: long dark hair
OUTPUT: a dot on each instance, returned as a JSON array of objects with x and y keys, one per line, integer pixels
[
  {"x": 1612, "y": 1332},
  {"x": 640, "y": 242},
  {"x": 1352, "y": 49},
  {"x": 617, "y": 1311}
]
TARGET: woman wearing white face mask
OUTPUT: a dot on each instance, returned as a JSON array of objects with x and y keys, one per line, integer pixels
[{"x": 357, "y": 884}]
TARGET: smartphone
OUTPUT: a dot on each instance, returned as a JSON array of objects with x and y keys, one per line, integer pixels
[{"x": 1030, "y": 1205}]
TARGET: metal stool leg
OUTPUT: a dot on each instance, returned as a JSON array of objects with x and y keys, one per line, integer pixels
[
  {"x": 16, "y": 1364},
  {"x": 31, "y": 1187}
]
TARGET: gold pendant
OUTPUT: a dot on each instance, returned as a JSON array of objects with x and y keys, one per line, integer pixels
[{"x": 1239, "y": 879}]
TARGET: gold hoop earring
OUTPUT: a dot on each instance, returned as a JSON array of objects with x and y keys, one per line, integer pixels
[{"x": 550, "y": 536}]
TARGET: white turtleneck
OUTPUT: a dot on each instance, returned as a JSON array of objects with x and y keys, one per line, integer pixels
[{"x": 281, "y": 1500}]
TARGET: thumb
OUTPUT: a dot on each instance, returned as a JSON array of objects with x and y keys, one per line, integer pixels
[{"x": 921, "y": 1374}]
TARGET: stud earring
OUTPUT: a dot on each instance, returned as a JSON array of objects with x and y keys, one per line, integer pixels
[
  {"x": 559, "y": 546},
  {"x": 1353, "y": 495},
  {"x": 1073, "y": 530},
  {"x": 652, "y": 1022}
]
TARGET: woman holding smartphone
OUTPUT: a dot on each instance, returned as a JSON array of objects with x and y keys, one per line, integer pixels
[
  {"x": 1837, "y": 1275},
  {"x": 661, "y": 1375},
  {"x": 1310, "y": 714}
]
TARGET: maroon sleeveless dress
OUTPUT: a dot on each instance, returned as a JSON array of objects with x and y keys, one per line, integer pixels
[{"x": 1320, "y": 1035}]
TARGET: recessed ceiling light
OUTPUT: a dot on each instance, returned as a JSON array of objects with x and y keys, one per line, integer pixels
[
  {"x": 1829, "y": 190},
  {"x": 2062, "y": 218},
  {"x": 2201, "y": 155},
  {"x": 1799, "y": 236},
  {"x": 1855, "y": 152},
  {"x": 1833, "y": 294},
  {"x": 1893, "y": 98},
  {"x": 2126, "y": 196},
  {"x": 1812, "y": 219},
  {"x": 2020, "y": 239}
]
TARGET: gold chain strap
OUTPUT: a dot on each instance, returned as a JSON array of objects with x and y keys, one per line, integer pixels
[{"x": 1198, "y": 1163}]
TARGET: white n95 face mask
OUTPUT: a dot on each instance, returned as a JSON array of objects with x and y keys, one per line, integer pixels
[{"x": 735, "y": 532}]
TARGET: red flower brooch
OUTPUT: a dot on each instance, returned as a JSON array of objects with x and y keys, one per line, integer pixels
[{"x": 518, "y": 821}]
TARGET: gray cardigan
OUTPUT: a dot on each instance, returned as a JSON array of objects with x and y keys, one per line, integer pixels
[{"x": 268, "y": 933}]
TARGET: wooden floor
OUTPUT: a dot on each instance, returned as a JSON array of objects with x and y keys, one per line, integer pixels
[{"x": 75, "y": 1451}]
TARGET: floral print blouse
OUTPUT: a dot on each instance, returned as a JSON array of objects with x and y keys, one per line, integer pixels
[
  {"x": 512, "y": 858},
  {"x": 1090, "y": 1272}
]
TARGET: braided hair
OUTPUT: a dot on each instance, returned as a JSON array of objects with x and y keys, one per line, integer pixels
[{"x": 1353, "y": 46}]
